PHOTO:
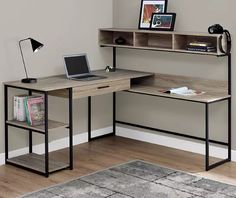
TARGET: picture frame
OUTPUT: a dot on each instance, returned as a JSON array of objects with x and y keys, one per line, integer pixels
[
  {"x": 148, "y": 7},
  {"x": 163, "y": 21}
]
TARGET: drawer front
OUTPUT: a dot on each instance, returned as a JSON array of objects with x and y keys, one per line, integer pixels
[{"x": 101, "y": 88}]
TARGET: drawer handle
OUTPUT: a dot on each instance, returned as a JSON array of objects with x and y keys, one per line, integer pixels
[{"x": 104, "y": 87}]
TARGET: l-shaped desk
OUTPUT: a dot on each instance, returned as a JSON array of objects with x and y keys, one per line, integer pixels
[{"x": 134, "y": 82}]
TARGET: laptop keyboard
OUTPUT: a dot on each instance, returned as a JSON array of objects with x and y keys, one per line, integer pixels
[
  {"x": 89, "y": 77},
  {"x": 82, "y": 77}
]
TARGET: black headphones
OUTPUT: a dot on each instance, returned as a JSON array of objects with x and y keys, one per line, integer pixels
[{"x": 218, "y": 29}]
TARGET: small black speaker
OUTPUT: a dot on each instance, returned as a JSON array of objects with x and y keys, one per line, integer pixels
[{"x": 120, "y": 41}]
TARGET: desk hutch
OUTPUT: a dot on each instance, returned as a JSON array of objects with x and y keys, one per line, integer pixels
[{"x": 175, "y": 42}]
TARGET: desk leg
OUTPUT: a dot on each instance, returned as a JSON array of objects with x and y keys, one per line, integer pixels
[
  {"x": 207, "y": 136},
  {"x": 89, "y": 119},
  {"x": 6, "y": 118},
  {"x": 30, "y": 133},
  {"x": 46, "y": 135},
  {"x": 90, "y": 138},
  {"x": 229, "y": 129},
  {"x": 114, "y": 113},
  {"x": 208, "y": 165},
  {"x": 71, "y": 127}
]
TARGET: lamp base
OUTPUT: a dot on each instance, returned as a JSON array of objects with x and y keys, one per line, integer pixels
[{"x": 29, "y": 80}]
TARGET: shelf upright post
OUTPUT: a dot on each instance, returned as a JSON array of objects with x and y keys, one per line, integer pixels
[
  {"x": 30, "y": 133},
  {"x": 46, "y": 135},
  {"x": 114, "y": 57},
  {"x": 229, "y": 73},
  {"x": 89, "y": 119},
  {"x": 71, "y": 127},
  {"x": 6, "y": 118}
]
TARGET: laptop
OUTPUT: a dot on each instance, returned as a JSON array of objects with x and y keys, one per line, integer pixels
[{"x": 77, "y": 68}]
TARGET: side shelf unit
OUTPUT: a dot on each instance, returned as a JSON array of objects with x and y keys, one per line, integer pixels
[
  {"x": 175, "y": 42},
  {"x": 40, "y": 164}
]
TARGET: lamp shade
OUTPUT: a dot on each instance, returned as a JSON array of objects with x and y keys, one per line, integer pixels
[{"x": 36, "y": 46}]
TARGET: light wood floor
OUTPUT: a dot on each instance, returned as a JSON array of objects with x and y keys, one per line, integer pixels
[{"x": 104, "y": 153}]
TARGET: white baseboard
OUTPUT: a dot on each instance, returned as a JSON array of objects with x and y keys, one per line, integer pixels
[
  {"x": 57, "y": 144},
  {"x": 163, "y": 140},
  {"x": 173, "y": 142}
]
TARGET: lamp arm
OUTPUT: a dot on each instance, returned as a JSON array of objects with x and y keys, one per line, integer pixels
[{"x": 22, "y": 56}]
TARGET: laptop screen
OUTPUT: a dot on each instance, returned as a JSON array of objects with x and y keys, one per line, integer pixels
[{"x": 76, "y": 65}]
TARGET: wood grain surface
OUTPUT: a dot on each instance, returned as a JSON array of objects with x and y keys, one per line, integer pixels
[
  {"x": 53, "y": 83},
  {"x": 158, "y": 40},
  {"x": 104, "y": 153},
  {"x": 214, "y": 90}
]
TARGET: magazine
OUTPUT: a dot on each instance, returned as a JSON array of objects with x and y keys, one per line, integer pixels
[
  {"x": 35, "y": 110},
  {"x": 184, "y": 91}
]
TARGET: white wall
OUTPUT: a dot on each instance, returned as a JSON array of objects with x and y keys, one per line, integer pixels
[
  {"x": 65, "y": 27},
  {"x": 180, "y": 116}
]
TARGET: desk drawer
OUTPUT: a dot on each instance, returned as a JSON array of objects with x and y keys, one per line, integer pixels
[
  {"x": 95, "y": 89},
  {"x": 101, "y": 88}
]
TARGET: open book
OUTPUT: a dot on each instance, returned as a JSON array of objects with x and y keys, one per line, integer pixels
[{"x": 184, "y": 91}]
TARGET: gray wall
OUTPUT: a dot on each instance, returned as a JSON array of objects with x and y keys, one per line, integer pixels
[
  {"x": 173, "y": 115},
  {"x": 65, "y": 27},
  {"x": 68, "y": 27}
]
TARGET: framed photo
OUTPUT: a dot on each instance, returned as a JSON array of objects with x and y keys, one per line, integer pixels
[
  {"x": 163, "y": 21},
  {"x": 148, "y": 7}
]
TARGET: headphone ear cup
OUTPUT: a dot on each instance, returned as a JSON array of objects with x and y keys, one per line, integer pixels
[
  {"x": 220, "y": 45},
  {"x": 229, "y": 43}
]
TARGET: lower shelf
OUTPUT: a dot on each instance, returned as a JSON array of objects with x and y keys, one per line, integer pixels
[
  {"x": 51, "y": 125},
  {"x": 36, "y": 162}
]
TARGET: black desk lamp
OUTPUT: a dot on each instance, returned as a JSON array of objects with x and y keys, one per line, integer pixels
[{"x": 36, "y": 46}]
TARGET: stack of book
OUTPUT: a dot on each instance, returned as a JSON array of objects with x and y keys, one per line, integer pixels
[
  {"x": 19, "y": 108},
  {"x": 201, "y": 47},
  {"x": 29, "y": 109}
]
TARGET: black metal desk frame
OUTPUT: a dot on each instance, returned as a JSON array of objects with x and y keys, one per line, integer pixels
[
  {"x": 207, "y": 141},
  {"x": 45, "y": 133}
]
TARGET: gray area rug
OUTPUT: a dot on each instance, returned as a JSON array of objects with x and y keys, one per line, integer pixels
[{"x": 138, "y": 179}]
